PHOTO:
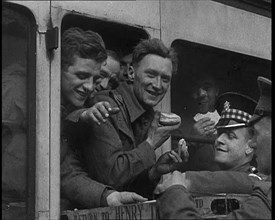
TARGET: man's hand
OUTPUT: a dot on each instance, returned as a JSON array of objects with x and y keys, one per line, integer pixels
[
  {"x": 157, "y": 135},
  {"x": 121, "y": 198},
  {"x": 167, "y": 162},
  {"x": 204, "y": 127},
  {"x": 175, "y": 178},
  {"x": 98, "y": 112}
]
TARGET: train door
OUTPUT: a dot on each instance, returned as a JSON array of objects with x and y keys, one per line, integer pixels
[
  {"x": 119, "y": 33},
  {"x": 24, "y": 68}
]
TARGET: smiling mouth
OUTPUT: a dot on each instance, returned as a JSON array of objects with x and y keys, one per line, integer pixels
[
  {"x": 84, "y": 95},
  {"x": 219, "y": 149},
  {"x": 154, "y": 93},
  {"x": 203, "y": 103}
]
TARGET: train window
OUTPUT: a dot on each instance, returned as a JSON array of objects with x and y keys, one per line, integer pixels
[
  {"x": 261, "y": 7},
  {"x": 118, "y": 37},
  {"x": 232, "y": 72},
  {"x": 18, "y": 105}
]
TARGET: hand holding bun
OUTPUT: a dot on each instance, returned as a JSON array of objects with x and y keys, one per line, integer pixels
[
  {"x": 169, "y": 119},
  {"x": 161, "y": 127}
]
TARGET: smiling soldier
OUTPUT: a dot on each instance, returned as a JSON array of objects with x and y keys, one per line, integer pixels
[
  {"x": 120, "y": 152},
  {"x": 83, "y": 54},
  {"x": 233, "y": 145}
]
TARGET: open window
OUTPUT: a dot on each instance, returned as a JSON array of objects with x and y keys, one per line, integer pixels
[
  {"x": 118, "y": 37},
  {"x": 261, "y": 7},
  {"x": 18, "y": 111},
  {"x": 232, "y": 71}
]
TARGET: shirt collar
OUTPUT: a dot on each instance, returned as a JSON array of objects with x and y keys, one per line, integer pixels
[
  {"x": 243, "y": 168},
  {"x": 135, "y": 109}
]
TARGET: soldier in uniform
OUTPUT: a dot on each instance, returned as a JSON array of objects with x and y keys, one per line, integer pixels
[
  {"x": 232, "y": 150},
  {"x": 177, "y": 203},
  {"x": 232, "y": 146},
  {"x": 83, "y": 54}
]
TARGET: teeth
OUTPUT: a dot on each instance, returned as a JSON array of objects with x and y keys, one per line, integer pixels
[{"x": 82, "y": 93}]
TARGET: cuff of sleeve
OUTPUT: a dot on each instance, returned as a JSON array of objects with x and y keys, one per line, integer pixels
[
  {"x": 107, "y": 191},
  {"x": 75, "y": 115}
]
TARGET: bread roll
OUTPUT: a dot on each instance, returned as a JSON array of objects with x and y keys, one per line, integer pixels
[{"x": 169, "y": 119}]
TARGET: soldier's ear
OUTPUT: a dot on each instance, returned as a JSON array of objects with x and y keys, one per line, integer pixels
[
  {"x": 131, "y": 73},
  {"x": 250, "y": 146},
  {"x": 249, "y": 150}
]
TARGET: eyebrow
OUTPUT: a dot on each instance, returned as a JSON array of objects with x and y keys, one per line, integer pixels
[{"x": 155, "y": 72}]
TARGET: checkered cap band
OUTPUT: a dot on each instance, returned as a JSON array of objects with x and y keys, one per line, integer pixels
[{"x": 236, "y": 114}]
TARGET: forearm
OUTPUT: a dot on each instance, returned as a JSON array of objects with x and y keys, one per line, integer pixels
[
  {"x": 77, "y": 186},
  {"x": 177, "y": 203},
  {"x": 75, "y": 115}
]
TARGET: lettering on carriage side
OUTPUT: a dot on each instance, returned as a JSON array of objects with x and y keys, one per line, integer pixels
[
  {"x": 199, "y": 203},
  {"x": 105, "y": 215},
  {"x": 140, "y": 206},
  {"x": 133, "y": 212},
  {"x": 86, "y": 216},
  {"x": 92, "y": 216},
  {"x": 153, "y": 212},
  {"x": 80, "y": 217},
  {"x": 130, "y": 212},
  {"x": 119, "y": 213}
]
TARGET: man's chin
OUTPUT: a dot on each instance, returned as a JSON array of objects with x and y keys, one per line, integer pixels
[
  {"x": 78, "y": 103},
  {"x": 203, "y": 110},
  {"x": 151, "y": 103}
]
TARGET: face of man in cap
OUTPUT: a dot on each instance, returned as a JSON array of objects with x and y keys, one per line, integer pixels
[{"x": 232, "y": 146}]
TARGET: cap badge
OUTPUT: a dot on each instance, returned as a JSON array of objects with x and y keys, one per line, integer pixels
[{"x": 226, "y": 106}]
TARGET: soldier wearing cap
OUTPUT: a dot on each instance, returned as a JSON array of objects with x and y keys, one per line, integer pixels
[
  {"x": 177, "y": 203},
  {"x": 232, "y": 147}
]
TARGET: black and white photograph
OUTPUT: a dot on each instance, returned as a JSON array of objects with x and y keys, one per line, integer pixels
[{"x": 136, "y": 109}]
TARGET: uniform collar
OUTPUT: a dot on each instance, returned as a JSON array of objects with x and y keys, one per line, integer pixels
[
  {"x": 243, "y": 168},
  {"x": 135, "y": 109}
]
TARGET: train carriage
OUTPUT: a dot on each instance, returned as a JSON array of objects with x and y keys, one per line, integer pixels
[{"x": 230, "y": 38}]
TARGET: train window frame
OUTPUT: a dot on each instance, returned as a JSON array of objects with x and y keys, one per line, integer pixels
[
  {"x": 31, "y": 105},
  {"x": 231, "y": 62},
  {"x": 94, "y": 24},
  {"x": 261, "y": 7},
  {"x": 99, "y": 26}
]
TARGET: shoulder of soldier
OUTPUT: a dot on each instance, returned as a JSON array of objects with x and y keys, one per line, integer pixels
[{"x": 253, "y": 172}]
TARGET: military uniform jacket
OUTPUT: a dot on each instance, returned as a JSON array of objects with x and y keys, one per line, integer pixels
[
  {"x": 238, "y": 180},
  {"x": 177, "y": 203},
  {"x": 78, "y": 190},
  {"x": 116, "y": 152}
]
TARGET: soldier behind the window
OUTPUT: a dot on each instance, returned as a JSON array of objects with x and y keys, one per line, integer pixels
[{"x": 83, "y": 54}]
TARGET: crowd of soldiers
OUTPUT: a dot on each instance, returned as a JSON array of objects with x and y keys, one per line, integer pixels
[{"x": 110, "y": 131}]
